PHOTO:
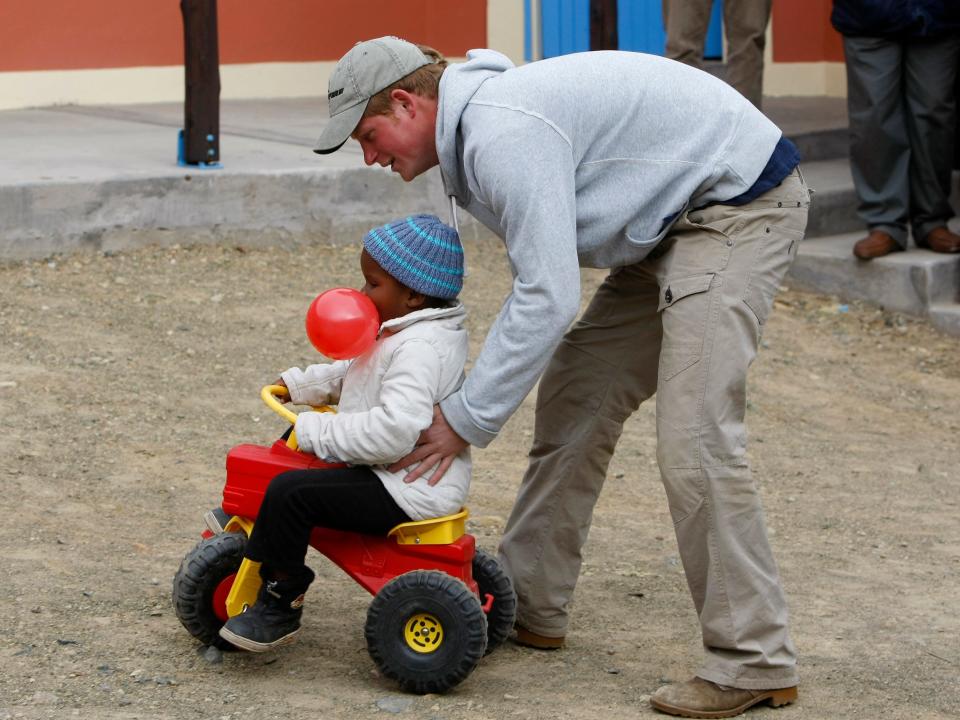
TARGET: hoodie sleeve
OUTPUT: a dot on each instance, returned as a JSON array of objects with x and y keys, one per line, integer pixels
[
  {"x": 389, "y": 430},
  {"x": 521, "y": 167},
  {"x": 318, "y": 384}
]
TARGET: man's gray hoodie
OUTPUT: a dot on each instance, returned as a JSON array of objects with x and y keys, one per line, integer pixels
[{"x": 580, "y": 160}]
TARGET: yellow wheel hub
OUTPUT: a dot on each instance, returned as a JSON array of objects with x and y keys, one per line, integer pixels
[{"x": 423, "y": 633}]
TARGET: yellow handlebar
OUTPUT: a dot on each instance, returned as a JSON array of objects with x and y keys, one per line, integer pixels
[{"x": 269, "y": 395}]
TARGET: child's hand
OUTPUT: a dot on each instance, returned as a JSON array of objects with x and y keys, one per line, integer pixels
[{"x": 281, "y": 383}]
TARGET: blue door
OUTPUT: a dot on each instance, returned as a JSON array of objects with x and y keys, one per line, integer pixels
[{"x": 565, "y": 27}]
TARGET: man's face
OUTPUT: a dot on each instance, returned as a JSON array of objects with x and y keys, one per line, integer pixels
[{"x": 403, "y": 140}]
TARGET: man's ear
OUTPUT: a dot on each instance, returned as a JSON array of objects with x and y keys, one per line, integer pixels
[
  {"x": 403, "y": 102},
  {"x": 415, "y": 300}
]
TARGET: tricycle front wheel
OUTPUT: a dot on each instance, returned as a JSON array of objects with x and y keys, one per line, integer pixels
[
  {"x": 202, "y": 583},
  {"x": 426, "y": 630}
]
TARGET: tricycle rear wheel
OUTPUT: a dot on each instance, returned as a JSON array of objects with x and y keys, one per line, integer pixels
[
  {"x": 202, "y": 583},
  {"x": 493, "y": 580}
]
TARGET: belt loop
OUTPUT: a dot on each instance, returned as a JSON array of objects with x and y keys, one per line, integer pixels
[{"x": 810, "y": 190}]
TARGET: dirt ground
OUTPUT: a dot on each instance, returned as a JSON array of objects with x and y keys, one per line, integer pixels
[{"x": 126, "y": 377}]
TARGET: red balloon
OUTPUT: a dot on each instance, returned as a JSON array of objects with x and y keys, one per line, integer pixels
[{"x": 342, "y": 323}]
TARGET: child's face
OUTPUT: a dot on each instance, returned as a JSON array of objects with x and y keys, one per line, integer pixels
[{"x": 392, "y": 298}]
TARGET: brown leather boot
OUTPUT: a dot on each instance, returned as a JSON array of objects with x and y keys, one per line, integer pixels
[
  {"x": 528, "y": 638},
  {"x": 876, "y": 244},
  {"x": 699, "y": 698},
  {"x": 941, "y": 240}
]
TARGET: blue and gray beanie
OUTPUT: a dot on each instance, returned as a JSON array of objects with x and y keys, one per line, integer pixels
[{"x": 420, "y": 251}]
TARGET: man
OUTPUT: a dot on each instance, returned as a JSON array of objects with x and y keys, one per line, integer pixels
[
  {"x": 902, "y": 63},
  {"x": 692, "y": 197}
]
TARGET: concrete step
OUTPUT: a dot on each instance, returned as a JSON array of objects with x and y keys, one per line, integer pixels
[
  {"x": 817, "y": 145},
  {"x": 833, "y": 209},
  {"x": 818, "y": 126},
  {"x": 916, "y": 282},
  {"x": 946, "y": 317}
]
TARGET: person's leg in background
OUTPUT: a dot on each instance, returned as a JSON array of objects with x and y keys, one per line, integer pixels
[
  {"x": 686, "y": 23},
  {"x": 603, "y": 369},
  {"x": 879, "y": 146},
  {"x": 930, "y": 73},
  {"x": 745, "y": 25}
]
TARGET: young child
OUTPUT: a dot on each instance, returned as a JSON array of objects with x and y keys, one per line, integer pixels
[{"x": 413, "y": 270}]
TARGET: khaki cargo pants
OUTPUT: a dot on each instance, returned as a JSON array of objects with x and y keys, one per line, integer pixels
[{"x": 685, "y": 324}]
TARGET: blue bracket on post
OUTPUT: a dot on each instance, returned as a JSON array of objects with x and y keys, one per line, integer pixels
[{"x": 181, "y": 159}]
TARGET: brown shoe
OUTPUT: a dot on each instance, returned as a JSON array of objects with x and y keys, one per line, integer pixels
[
  {"x": 941, "y": 240},
  {"x": 699, "y": 698},
  {"x": 528, "y": 638},
  {"x": 876, "y": 244}
]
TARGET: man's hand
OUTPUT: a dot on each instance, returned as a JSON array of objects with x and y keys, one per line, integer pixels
[{"x": 439, "y": 443}]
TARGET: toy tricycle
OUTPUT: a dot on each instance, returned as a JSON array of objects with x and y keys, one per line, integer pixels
[{"x": 439, "y": 603}]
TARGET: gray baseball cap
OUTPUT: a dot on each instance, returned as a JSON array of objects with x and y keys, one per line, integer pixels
[{"x": 364, "y": 71}]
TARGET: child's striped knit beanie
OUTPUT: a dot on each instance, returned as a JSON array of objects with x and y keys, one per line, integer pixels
[{"x": 420, "y": 251}]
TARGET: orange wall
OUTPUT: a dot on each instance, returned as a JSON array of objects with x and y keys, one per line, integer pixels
[
  {"x": 89, "y": 34},
  {"x": 802, "y": 32}
]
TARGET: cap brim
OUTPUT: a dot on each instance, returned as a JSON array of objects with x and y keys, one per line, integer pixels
[{"x": 339, "y": 129}]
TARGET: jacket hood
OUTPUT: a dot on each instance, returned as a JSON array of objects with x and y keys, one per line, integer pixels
[
  {"x": 458, "y": 84},
  {"x": 455, "y": 312}
]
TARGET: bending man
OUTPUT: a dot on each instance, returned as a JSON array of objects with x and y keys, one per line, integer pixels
[{"x": 693, "y": 199}]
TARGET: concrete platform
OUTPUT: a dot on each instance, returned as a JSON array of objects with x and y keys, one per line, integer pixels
[{"x": 105, "y": 177}]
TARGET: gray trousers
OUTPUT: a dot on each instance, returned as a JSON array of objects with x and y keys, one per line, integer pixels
[
  {"x": 900, "y": 97},
  {"x": 685, "y": 324},
  {"x": 744, "y": 26}
]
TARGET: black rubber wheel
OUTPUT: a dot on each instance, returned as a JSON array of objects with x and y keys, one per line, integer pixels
[
  {"x": 493, "y": 580},
  {"x": 426, "y": 630},
  {"x": 202, "y": 582}
]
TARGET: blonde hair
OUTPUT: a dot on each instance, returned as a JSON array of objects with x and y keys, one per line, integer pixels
[{"x": 424, "y": 81}]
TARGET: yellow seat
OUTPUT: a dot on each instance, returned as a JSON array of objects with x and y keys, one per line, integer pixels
[{"x": 436, "y": 531}]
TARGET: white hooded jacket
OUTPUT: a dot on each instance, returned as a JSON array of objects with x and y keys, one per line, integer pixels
[{"x": 386, "y": 398}]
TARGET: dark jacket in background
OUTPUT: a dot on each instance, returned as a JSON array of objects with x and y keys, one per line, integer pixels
[{"x": 896, "y": 19}]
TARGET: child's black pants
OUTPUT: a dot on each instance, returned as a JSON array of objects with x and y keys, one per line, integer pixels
[{"x": 350, "y": 498}]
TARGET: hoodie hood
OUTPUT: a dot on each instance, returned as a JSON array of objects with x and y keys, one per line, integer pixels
[{"x": 458, "y": 84}]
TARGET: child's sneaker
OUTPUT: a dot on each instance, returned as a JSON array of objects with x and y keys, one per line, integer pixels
[
  {"x": 274, "y": 619},
  {"x": 216, "y": 520}
]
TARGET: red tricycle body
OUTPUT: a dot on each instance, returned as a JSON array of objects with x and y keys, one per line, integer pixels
[{"x": 371, "y": 560}]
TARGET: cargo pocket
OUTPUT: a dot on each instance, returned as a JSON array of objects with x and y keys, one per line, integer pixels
[
  {"x": 774, "y": 254},
  {"x": 684, "y": 308}
]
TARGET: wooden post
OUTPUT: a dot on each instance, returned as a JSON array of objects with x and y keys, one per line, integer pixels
[
  {"x": 201, "y": 122},
  {"x": 603, "y": 25}
]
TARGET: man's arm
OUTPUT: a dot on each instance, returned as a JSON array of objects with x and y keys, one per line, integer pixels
[{"x": 522, "y": 169}]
